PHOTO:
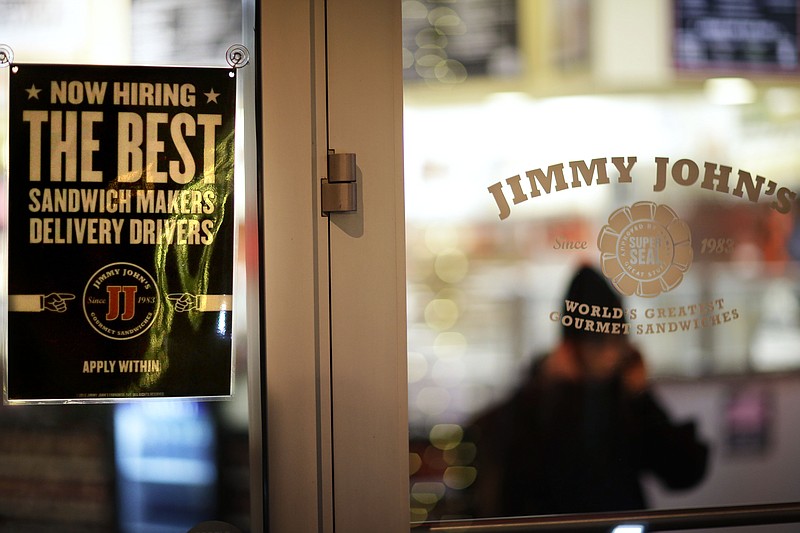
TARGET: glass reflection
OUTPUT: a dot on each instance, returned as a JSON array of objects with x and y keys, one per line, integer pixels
[
  {"x": 720, "y": 346},
  {"x": 165, "y": 452},
  {"x": 583, "y": 426}
]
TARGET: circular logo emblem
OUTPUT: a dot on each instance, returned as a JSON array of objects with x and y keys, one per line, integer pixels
[
  {"x": 645, "y": 249},
  {"x": 120, "y": 301}
]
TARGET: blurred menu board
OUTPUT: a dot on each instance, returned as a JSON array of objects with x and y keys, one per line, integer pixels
[
  {"x": 737, "y": 35},
  {"x": 184, "y": 33},
  {"x": 446, "y": 42}
]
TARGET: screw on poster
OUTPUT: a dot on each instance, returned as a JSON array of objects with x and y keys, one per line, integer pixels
[{"x": 120, "y": 233}]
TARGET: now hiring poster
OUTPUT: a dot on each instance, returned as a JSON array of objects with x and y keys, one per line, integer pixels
[{"x": 120, "y": 233}]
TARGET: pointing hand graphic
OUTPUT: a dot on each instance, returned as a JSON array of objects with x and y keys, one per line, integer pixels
[
  {"x": 183, "y": 301},
  {"x": 57, "y": 301}
]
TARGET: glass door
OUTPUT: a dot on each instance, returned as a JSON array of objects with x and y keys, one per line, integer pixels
[
  {"x": 139, "y": 466},
  {"x": 602, "y": 256}
]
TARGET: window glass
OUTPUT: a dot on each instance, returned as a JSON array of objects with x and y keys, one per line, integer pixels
[
  {"x": 131, "y": 466},
  {"x": 657, "y": 150}
]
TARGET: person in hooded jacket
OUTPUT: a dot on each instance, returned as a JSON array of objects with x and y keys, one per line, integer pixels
[{"x": 583, "y": 427}]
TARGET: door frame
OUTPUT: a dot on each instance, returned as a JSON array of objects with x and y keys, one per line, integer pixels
[{"x": 333, "y": 293}]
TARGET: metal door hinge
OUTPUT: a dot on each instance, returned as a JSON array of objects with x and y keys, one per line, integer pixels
[{"x": 339, "y": 191}]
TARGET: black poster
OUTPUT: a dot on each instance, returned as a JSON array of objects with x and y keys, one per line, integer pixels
[{"x": 120, "y": 232}]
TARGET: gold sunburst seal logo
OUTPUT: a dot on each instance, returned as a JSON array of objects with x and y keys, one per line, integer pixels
[{"x": 645, "y": 249}]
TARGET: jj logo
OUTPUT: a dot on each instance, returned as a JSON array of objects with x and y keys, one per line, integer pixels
[
  {"x": 129, "y": 299},
  {"x": 121, "y": 301}
]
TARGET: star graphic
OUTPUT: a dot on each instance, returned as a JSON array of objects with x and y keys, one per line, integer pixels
[
  {"x": 212, "y": 96},
  {"x": 33, "y": 92}
]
